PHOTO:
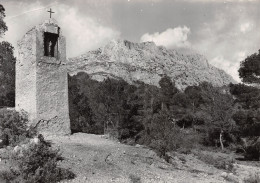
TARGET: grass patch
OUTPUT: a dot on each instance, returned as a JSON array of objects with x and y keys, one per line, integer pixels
[
  {"x": 135, "y": 178},
  {"x": 216, "y": 161}
]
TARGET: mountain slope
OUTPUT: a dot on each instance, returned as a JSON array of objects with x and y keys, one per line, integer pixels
[{"x": 148, "y": 63}]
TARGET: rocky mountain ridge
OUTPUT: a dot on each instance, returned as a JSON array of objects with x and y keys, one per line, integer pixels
[{"x": 147, "y": 62}]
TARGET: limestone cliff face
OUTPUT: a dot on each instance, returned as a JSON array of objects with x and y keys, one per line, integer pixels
[{"x": 148, "y": 63}]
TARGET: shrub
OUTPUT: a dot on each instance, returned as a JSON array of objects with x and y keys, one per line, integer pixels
[
  {"x": 217, "y": 162},
  {"x": 135, "y": 178},
  {"x": 34, "y": 161},
  {"x": 253, "y": 179},
  {"x": 37, "y": 163},
  {"x": 164, "y": 136},
  {"x": 8, "y": 176},
  {"x": 251, "y": 146},
  {"x": 188, "y": 140},
  {"x": 174, "y": 139},
  {"x": 252, "y": 153},
  {"x": 13, "y": 127}
]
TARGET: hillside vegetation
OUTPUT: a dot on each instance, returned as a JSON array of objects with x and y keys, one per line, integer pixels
[{"x": 165, "y": 118}]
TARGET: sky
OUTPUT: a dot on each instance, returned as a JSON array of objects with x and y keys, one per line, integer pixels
[{"x": 224, "y": 31}]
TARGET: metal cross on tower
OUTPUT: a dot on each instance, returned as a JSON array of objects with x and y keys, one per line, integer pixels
[{"x": 50, "y": 12}]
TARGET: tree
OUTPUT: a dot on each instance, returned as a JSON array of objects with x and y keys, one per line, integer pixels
[
  {"x": 249, "y": 70},
  {"x": 248, "y": 115},
  {"x": 7, "y": 67},
  {"x": 80, "y": 111},
  {"x": 248, "y": 122},
  {"x": 3, "y": 27},
  {"x": 218, "y": 107},
  {"x": 168, "y": 90},
  {"x": 248, "y": 98},
  {"x": 14, "y": 127},
  {"x": 151, "y": 105},
  {"x": 7, "y": 75},
  {"x": 194, "y": 95}
]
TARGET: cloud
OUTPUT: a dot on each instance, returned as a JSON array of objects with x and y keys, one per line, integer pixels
[
  {"x": 246, "y": 27},
  {"x": 228, "y": 38},
  {"x": 218, "y": 1},
  {"x": 18, "y": 22},
  {"x": 83, "y": 32},
  {"x": 170, "y": 38},
  {"x": 240, "y": 56},
  {"x": 227, "y": 66}
]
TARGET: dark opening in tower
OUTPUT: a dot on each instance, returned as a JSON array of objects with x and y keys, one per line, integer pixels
[{"x": 50, "y": 44}]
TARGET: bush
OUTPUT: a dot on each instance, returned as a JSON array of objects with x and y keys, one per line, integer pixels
[
  {"x": 135, "y": 178},
  {"x": 251, "y": 146},
  {"x": 252, "y": 153},
  {"x": 34, "y": 161},
  {"x": 188, "y": 140},
  {"x": 253, "y": 179},
  {"x": 217, "y": 162},
  {"x": 174, "y": 139},
  {"x": 8, "y": 176},
  {"x": 13, "y": 127},
  {"x": 164, "y": 136},
  {"x": 37, "y": 163}
]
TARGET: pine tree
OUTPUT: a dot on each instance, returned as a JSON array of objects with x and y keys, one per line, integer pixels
[{"x": 7, "y": 67}]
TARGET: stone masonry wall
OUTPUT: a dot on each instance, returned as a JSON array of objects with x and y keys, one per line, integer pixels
[
  {"x": 48, "y": 100},
  {"x": 25, "y": 90},
  {"x": 52, "y": 98}
]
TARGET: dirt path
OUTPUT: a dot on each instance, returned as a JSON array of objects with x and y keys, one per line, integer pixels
[{"x": 96, "y": 159}]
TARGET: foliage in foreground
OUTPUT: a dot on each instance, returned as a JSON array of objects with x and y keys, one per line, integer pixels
[
  {"x": 13, "y": 127},
  {"x": 33, "y": 160},
  {"x": 36, "y": 163}
]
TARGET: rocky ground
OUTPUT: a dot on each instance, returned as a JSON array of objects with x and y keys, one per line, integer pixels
[{"x": 96, "y": 159}]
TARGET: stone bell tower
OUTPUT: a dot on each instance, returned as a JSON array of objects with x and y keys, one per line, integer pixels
[{"x": 41, "y": 78}]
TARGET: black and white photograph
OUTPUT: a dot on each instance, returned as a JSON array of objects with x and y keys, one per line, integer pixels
[{"x": 129, "y": 91}]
